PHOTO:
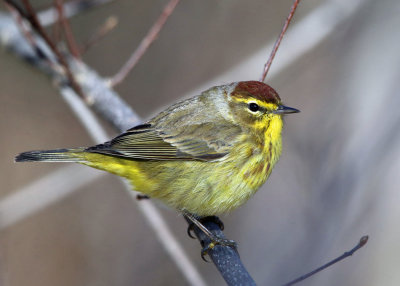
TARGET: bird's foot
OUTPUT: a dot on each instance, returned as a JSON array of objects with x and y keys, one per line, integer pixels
[
  {"x": 217, "y": 241},
  {"x": 214, "y": 239}
]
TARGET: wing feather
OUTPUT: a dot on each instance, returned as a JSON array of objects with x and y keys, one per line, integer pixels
[{"x": 181, "y": 132}]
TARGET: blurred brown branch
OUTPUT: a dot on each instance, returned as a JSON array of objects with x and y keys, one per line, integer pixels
[{"x": 70, "y": 39}]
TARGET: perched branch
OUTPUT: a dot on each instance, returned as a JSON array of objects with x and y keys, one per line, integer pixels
[
  {"x": 225, "y": 258},
  {"x": 144, "y": 44}
]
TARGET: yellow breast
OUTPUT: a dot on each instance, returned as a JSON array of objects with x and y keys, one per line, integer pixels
[{"x": 203, "y": 188}]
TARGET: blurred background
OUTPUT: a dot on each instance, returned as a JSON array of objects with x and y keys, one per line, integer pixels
[{"x": 337, "y": 179}]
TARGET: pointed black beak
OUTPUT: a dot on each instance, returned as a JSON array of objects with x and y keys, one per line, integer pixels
[{"x": 285, "y": 110}]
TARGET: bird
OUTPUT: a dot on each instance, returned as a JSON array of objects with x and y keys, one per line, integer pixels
[{"x": 204, "y": 156}]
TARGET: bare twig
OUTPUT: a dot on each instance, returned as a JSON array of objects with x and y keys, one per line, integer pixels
[
  {"x": 278, "y": 41},
  {"x": 108, "y": 25},
  {"x": 31, "y": 17},
  {"x": 315, "y": 26},
  {"x": 70, "y": 39},
  {"x": 25, "y": 30},
  {"x": 363, "y": 241},
  {"x": 144, "y": 44}
]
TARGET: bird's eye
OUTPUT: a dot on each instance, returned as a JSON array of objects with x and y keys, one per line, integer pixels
[{"x": 254, "y": 107}]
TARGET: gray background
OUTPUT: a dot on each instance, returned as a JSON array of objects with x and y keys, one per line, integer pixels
[{"x": 338, "y": 177}]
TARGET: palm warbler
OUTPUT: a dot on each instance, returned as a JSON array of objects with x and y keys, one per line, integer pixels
[{"x": 205, "y": 156}]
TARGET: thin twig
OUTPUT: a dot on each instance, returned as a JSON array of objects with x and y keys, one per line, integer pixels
[
  {"x": 70, "y": 39},
  {"x": 108, "y": 25},
  {"x": 31, "y": 17},
  {"x": 363, "y": 241},
  {"x": 144, "y": 44},
  {"x": 278, "y": 41},
  {"x": 314, "y": 26},
  {"x": 25, "y": 30}
]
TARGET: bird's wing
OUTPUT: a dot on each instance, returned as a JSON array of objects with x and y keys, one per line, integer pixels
[{"x": 204, "y": 141}]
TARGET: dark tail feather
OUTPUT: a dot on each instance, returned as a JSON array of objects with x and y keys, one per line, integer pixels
[{"x": 58, "y": 155}]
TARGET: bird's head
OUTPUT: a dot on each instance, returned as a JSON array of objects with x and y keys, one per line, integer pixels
[{"x": 256, "y": 104}]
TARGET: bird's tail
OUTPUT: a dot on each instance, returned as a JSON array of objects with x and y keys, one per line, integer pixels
[{"x": 57, "y": 155}]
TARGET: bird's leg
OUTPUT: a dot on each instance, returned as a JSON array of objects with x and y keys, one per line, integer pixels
[
  {"x": 201, "y": 220},
  {"x": 215, "y": 240}
]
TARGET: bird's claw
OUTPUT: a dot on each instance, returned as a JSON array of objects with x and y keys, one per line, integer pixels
[
  {"x": 217, "y": 241},
  {"x": 190, "y": 229}
]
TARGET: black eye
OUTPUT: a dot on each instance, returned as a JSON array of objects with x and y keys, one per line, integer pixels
[{"x": 254, "y": 107}]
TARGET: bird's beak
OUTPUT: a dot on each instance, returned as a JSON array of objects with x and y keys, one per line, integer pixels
[{"x": 285, "y": 110}]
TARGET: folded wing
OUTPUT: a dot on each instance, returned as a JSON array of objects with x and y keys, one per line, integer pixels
[{"x": 204, "y": 142}]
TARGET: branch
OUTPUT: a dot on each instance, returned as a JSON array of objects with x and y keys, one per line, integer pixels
[
  {"x": 278, "y": 41},
  {"x": 225, "y": 258},
  {"x": 71, "y": 42},
  {"x": 39, "y": 194},
  {"x": 363, "y": 241},
  {"x": 31, "y": 16},
  {"x": 144, "y": 44}
]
